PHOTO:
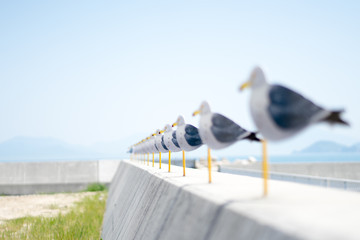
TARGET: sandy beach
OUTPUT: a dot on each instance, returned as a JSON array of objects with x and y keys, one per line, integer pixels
[{"x": 12, "y": 207}]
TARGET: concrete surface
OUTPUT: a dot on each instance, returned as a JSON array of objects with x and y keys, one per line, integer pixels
[
  {"x": 190, "y": 163},
  {"x": 19, "y": 178},
  {"x": 148, "y": 203},
  {"x": 346, "y": 170}
]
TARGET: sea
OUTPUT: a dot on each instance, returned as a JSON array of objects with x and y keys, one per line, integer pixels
[
  {"x": 289, "y": 158},
  {"x": 304, "y": 158}
]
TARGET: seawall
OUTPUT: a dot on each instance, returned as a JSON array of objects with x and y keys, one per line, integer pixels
[
  {"x": 340, "y": 170},
  {"x": 149, "y": 203},
  {"x": 21, "y": 178}
]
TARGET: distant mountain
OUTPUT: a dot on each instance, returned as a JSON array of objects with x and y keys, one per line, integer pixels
[
  {"x": 354, "y": 148},
  {"x": 26, "y": 148},
  {"x": 116, "y": 148},
  {"x": 30, "y": 148},
  {"x": 330, "y": 147}
]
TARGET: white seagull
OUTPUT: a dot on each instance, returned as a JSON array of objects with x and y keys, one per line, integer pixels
[
  {"x": 279, "y": 112},
  {"x": 152, "y": 145},
  {"x": 187, "y": 135},
  {"x": 170, "y": 139},
  {"x": 218, "y": 131},
  {"x": 147, "y": 147},
  {"x": 159, "y": 141}
]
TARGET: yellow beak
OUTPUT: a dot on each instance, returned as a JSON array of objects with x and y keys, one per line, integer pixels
[
  {"x": 196, "y": 113},
  {"x": 162, "y": 131},
  {"x": 245, "y": 85},
  {"x": 174, "y": 124}
]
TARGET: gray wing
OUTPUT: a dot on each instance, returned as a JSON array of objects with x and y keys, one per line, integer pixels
[
  {"x": 174, "y": 139},
  {"x": 162, "y": 143},
  {"x": 290, "y": 110},
  {"x": 224, "y": 129},
  {"x": 192, "y": 136}
]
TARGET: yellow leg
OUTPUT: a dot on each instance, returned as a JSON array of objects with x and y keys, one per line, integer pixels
[
  {"x": 148, "y": 159},
  {"x": 169, "y": 160},
  {"x": 265, "y": 168},
  {"x": 184, "y": 165},
  {"x": 159, "y": 160},
  {"x": 153, "y": 159},
  {"x": 144, "y": 159},
  {"x": 209, "y": 164}
]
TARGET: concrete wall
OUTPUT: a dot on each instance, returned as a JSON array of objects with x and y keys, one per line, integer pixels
[
  {"x": 44, "y": 177},
  {"x": 346, "y": 170},
  {"x": 150, "y": 203}
]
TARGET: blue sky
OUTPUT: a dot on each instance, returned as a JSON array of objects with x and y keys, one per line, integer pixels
[{"x": 90, "y": 71}]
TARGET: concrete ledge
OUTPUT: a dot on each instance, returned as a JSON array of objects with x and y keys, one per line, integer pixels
[{"x": 148, "y": 203}]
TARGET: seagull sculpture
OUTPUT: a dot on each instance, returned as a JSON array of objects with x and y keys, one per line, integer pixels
[
  {"x": 279, "y": 112},
  {"x": 170, "y": 139},
  {"x": 153, "y": 147},
  {"x": 218, "y": 131},
  {"x": 187, "y": 136},
  {"x": 159, "y": 141}
]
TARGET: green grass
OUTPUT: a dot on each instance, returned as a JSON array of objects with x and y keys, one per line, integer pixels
[
  {"x": 83, "y": 221},
  {"x": 94, "y": 187}
]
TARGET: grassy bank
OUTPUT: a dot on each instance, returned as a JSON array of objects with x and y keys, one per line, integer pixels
[{"x": 83, "y": 221}]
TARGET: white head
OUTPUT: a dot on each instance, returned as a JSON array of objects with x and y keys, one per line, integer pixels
[
  {"x": 167, "y": 128},
  {"x": 158, "y": 132},
  {"x": 204, "y": 109},
  {"x": 256, "y": 79},
  {"x": 179, "y": 121}
]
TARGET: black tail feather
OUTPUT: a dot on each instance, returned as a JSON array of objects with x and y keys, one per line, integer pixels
[
  {"x": 253, "y": 137},
  {"x": 335, "y": 118}
]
